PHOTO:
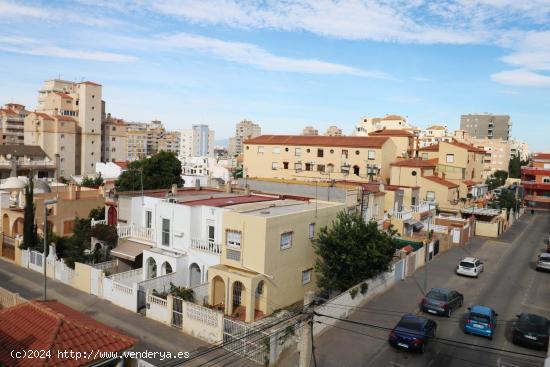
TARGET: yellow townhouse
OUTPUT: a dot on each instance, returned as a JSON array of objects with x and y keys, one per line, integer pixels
[{"x": 267, "y": 260}]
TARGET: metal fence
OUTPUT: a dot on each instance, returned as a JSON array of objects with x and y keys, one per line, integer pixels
[{"x": 244, "y": 339}]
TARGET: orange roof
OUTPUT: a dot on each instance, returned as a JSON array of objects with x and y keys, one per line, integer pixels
[
  {"x": 470, "y": 182},
  {"x": 90, "y": 83},
  {"x": 321, "y": 141},
  {"x": 441, "y": 181},
  {"x": 392, "y": 117},
  {"x": 8, "y": 111},
  {"x": 415, "y": 163},
  {"x": 436, "y": 127},
  {"x": 63, "y": 95},
  {"x": 430, "y": 148},
  {"x": 122, "y": 164},
  {"x": 43, "y": 115},
  {"x": 63, "y": 118},
  {"x": 435, "y": 147},
  {"x": 391, "y": 132},
  {"x": 52, "y": 326}
]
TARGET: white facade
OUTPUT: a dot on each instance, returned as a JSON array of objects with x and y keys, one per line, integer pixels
[
  {"x": 519, "y": 149},
  {"x": 109, "y": 170},
  {"x": 367, "y": 124},
  {"x": 197, "y": 141},
  {"x": 204, "y": 169}
]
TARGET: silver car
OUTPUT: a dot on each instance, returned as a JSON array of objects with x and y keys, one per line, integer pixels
[{"x": 543, "y": 262}]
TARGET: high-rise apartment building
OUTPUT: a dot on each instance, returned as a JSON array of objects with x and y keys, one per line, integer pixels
[
  {"x": 497, "y": 154},
  {"x": 519, "y": 149},
  {"x": 245, "y": 129},
  {"x": 486, "y": 125},
  {"x": 114, "y": 145},
  {"x": 333, "y": 131},
  {"x": 12, "y": 119},
  {"x": 147, "y": 139},
  {"x": 81, "y": 102},
  {"x": 197, "y": 142},
  {"x": 310, "y": 131}
]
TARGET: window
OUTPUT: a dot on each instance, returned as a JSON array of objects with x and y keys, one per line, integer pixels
[
  {"x": 297, "y": 152},
  {"x": 113, "y": 138},
  {"x": 311, "y": 230},
  {"x": 233, "y": 255},
  {"x": 234, "y": 239},
  {"x": 260, "y": 149},
  {"x": 114, "y": 128},
  {"x": 211, "y": 232},
  {"x": 274, "y": 166},
  {"x": 286, "y": 240},
  {"x": 371, "y": 155},
  {"x": 148, "y": 218},
  {"x": 297, "y": 166},
  {"x": 62, "y": 148},
  {"x": 424, "y": 156},
  {"x": 344, "y": 153},
  {"x": 62, "y": 136},
  {"x": 285, "y": 165},
  {"x": 309, "y": 166},
  {"x": 546, "y": 179},
  {"x": 357, "y": 152},
  {"x": 306, "y": 276},
  {"x": 320, "y": 153},
  {"x": 332, "y": 151},
  {"x": 430, "y": 195},
  {"x": 321, "y": 168},
  {"x": 276, "y": 150},
  {"x": 165, "y": 232},
  {"x": 450, "y": 158}
]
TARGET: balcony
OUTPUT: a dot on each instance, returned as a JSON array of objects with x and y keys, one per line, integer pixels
[
  {"x": 534, "y": 185},
  {"x": 537, "y": 198},
  {"x": 535, "y": 171},
  {"x": 206, "y": 246},
  {"x": 403, "y": 215},
  {"x": 424, "y": 206},
  {"x": 138, "y": 233}
]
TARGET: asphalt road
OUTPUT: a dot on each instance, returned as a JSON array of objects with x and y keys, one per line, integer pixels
[{"x": 509, "y": 284}]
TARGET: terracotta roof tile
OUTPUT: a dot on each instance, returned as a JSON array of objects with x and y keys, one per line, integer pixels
[
  {"x": 436, "y": 127},
  {"x": 63, "y": 118},
  {"x": 430, "y": 148},
  {"x": 470, "y": 182},
  {"x": 229, "y": 200},
  {"x": 7, "y": 111},
  {"x": 122, "y": 164},
  {"x": 392, "y": 117},
  {"x": 441, "y": 181},
  {"x": 469, "y": 147},
  {"x": 414, "y": 163},
  {"x": 45, "y": 116},
  {"x": 391, "y": 132},
  {"x": 320, "y": 141},
  {"x": 52, "y": 326}
]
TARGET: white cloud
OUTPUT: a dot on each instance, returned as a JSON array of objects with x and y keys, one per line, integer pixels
[
  {"x": 250, "y": 54},
  {"x": 521, "y": 77}
]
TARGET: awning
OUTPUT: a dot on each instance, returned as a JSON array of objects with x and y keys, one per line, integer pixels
[
  {"x": 129, "y": 250},
  {"x": 417, "y": 226},
  {"x": 410, "y": 221}
]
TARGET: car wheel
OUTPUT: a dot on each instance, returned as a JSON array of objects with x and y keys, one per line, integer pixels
[
  {"x": 449, "y": 312},
  {"x": 491, "y": 337}
]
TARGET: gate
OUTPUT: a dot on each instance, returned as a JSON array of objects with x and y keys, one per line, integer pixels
[
  {"x": 8, "y": 247},
  {"x": 141, "y": 301},
  {"x": 177, "y": 312},
  {"x": 411, "y": 264},
  {"x": 399, "y": 270},
  {"x": 245, "y": 340}
]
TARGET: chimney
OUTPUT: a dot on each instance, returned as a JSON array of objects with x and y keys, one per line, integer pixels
[
  {"x": 174, "y": 189},
  {"x": 72, "y": 191}
]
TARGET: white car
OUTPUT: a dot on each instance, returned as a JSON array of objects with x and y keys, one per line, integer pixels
[{"x": 469, "y": 266}]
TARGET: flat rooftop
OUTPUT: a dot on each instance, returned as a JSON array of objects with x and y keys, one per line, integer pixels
[
  {"x": 226, "y": 200},
  {"x": 275, "y": 208}
]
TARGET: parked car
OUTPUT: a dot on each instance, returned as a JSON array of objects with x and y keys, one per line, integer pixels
[
  {"x": 441, "y": 301},
  {"x": 543, "y": 262},
  {"x": 413, "y": 332},
  {"x": 469, "y": 266},
  {"x": 531, "y": 330},
  {"x": 481, "y": 321}
]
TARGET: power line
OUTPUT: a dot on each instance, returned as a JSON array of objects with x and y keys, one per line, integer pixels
[{"x": 434, "y": 338}]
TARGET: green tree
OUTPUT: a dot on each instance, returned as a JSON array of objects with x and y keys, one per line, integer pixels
[
  {"x": 351, "y": 251},
  {"x": 97, "y": 213},
  {"x": 76, "y": 245},
  {"x": 160, "y": 171},
  {"x": 238, "y": 173},
  {"x": 30, "y": 236},
  {"x": 497, "y": 179},
  {"x": 514, "y": 167},
  {"x": 92, "y": 181}
]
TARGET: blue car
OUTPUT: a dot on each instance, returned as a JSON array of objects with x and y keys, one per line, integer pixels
[
  {"x": 412, "y": 332},
  {"x": 481, "y": 321}
]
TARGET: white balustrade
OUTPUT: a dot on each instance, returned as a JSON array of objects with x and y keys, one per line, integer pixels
[
  {"x": 100, "y": 221},
  {"x": 205, "y": 245},
  {"x": 138, "y": 232},
  {"x": 403, "y": 215}
]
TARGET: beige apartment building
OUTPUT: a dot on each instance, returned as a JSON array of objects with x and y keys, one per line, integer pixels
[
  {"x": 114, "y": 147},
  {"x": 333, "y": 131},
  {"x": 147, "y": 139},
  {"x": 245, "y": 129},
  {"x": 310, "y": 130},
  {"x": 497, "y": 154},
  {"x": 12, "y": 119},
  {"x": 170, "y": 142},
  {"x": 319, "y": 158},
  {"x": 197, "y": 142},
  {"x": 58, "y": 136},
  {"x": 395, "y": 122},
  {"x": 82, "y": 103}
]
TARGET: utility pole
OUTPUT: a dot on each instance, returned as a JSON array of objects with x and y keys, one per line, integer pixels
[{"x": 306, "y": 339}]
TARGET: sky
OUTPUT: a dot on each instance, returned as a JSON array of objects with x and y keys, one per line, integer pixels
[{"x": 286, "y": 64}]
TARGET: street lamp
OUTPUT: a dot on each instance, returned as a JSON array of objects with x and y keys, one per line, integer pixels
[
  {"x": 46, "y": 203},
  {"x": 427, "y": 252}
]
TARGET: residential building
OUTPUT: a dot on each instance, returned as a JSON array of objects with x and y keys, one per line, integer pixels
[
  {"x": 137, "y": 142},
  {"x": 310, "y": 130},
  {"x": 405, "y": 141},
  {"x": 12, "y": 119},
  {"x": 497, "y": 154},
  {"x": 369, "y": 124},
  {"x": 319, "y": 158},
  {"x": 205, "y": 171},
  {"x": 245, "y": 129},
  {"x": 197, "y": 142},
  {"x": 535, "y": 178},
  {"x": 20, "y": 160},
  {"x": 486, "y": 125},
  {"x": 519, "y": 149},
  {"x": 35, "y": 325},
  {"x": 114, "y": 145},
  {"x": 72, "y": 202},
  {"x": 170, "y": 142},
  {"x": 147, "y": 139},
  {"x": 81, "y": 103},
  {"x": 267, "y": 260},
  {"x": 59, "y": 136},
  {"x": 433, "y": 135},
  {"x": 333, "y": 131}
]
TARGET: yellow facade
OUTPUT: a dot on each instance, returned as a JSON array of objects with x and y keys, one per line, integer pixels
[{"x": 270, "y": 274}]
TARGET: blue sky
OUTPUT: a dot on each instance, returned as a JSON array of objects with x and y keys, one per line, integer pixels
[{"x": 288, "y": 64}]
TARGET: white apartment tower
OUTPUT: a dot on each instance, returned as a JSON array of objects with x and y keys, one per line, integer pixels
[
  {"x": 197, "y": 142},
  {"x": 245, "y": 129},
  {"x": 82, "y": 102}
]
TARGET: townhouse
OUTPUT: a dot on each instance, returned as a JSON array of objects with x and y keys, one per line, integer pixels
[{"x": 535, "y": 178}]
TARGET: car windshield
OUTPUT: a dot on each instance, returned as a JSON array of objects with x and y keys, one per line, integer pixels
[
  {"x": 410, "y": 325},
  {"x": 534, "y": 324},
  {"x": 466, "y": 264},
  {"x": 545, "y": 259},
  {"x": 479, "y": 318},
  {"x": 438, "y": 296}
]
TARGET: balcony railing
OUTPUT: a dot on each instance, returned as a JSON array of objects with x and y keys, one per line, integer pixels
[
  {"x": 136, "y": 232},
  {"x": 424, "y": 206},
  {"x": 403, "y": 215},
  {"x": 206, "y": 246},
  {"x": 101, "y": 221},
  {"x": 536, "y": 185}
]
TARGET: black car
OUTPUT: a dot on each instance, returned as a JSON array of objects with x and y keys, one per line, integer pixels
[
  {"x": 441, "y": 301},
  {"x": 413, "y": 333},
  {"x": 531, "y": 331}
]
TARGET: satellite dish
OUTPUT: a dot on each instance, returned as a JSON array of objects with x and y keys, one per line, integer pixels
[{"x": 8, "y": 156}]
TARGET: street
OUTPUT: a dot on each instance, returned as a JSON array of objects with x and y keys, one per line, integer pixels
[{"x": 509, "y": 284}]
